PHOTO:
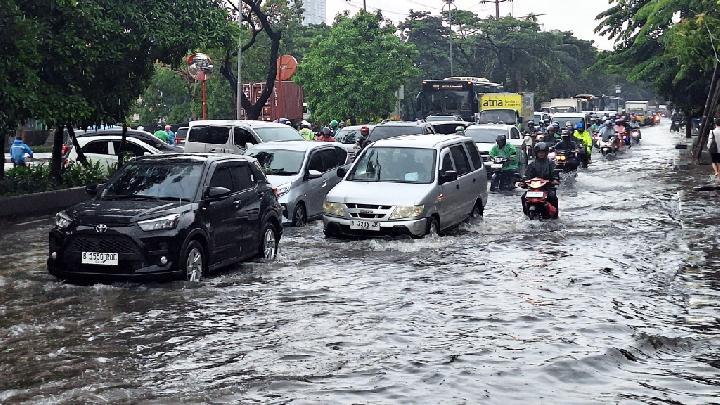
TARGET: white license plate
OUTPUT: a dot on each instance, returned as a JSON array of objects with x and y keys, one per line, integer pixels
[
  {"x": 535, "y": 194},
  {"x": 365, "y": 225},
  {"x": 101, "y": 259},
  {"x": 496, "y": 166}
]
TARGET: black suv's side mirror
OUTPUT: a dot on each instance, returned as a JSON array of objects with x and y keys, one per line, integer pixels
[
  {"x": 218, "y": 192},
  {"x": 341, "y": 172},
  {"x": 448, "y": 176}
]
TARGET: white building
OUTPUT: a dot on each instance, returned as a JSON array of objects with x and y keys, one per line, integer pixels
[{"x": 314, "y": 11}]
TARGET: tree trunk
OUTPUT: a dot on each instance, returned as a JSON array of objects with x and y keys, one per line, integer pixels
[
  {"x": 121, "y": 153},
  {"x": 80, "y": 155},
  {"x": 3, "y": 140},
  {"x": 710, "y": 109},
  {"x": 688, "y": 124},
  {"x": 56, "y": 163}
]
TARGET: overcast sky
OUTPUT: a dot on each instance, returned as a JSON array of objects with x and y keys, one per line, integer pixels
[{"x": 577, "y": 16}]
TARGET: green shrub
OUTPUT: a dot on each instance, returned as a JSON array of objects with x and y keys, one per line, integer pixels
[{"x": 36, "y": 178}]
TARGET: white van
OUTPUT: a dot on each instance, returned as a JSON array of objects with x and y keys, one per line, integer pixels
[{"x": 234, "y": 136}]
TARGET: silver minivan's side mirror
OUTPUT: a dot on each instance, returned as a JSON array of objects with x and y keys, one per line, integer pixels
[
  {"x": 341, "y": 172},
  {"x": 314, "y": 174},
  {"x": 448, "y": 176}
]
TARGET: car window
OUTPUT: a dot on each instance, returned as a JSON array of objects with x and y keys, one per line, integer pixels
[
  {"x": 461, "y": 161},
  {"x": 484, "y": 135},
  {"x": 329, "y": 159},
  {"x": 474, "y": 154},
  {"x": 275, "y": 134},
  {"x": 243, "y": 137},
  {"x": 389, "y": 131},
  {"x": 447, "y": 163},
  {"x": 514, "y": 133},
  {"x": 242, "y": 177},
  {"x": 222, "y": 178},
  {"x": 131, "y": 149},
  {"x": 209, "y": 134},
  {"x": 99, "y": 147},
  {"x": 341, "y": 155},
  {"x": 315, "y": 162}
]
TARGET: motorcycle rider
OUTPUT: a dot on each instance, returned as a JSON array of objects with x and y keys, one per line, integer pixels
[
  {"x": 531, "y": 129},
  {"x": 326, "y": 135},
  {"x": 509, "y": 152},
  {"x": 606, "y": 131},
  {"x": 460, "y": 130},
  {"x": 364, "y": 139},
  {"x": 583, "y": 135},
  {"x": 334, "y": 127},
  {"x": 542, "y": 168},
  {"x": 551, "y": 135},
  {"x": 570, "y": 146}
]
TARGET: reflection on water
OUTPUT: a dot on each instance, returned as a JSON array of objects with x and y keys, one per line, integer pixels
[{"x": 616, "y": 302}]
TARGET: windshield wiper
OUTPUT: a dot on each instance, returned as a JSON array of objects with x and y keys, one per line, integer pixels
[
  {"x": 129, "y": 197},
  {"x": 281, "y": 172}
]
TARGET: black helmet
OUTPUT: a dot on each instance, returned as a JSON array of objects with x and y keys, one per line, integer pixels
[
  {"x": 531, "y": 123},
  {"x": 501, "y": 140},
  {"x": 541, "y": 147}
]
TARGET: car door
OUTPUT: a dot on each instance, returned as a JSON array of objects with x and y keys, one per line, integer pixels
[
  {"x": 318, "y": 188},
  {"x": 466, "y": 197},
  {"x": 478, "y": 175},
  {"x": 341, "y": 160},
  {"x": 222, "y": 216},
  {"x": 449, "y": 192},
  {"x": 248, "y": 202},
  {"x": 99, "y": 151}
]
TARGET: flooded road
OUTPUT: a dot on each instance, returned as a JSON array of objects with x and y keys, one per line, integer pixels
[{"x": 618, "y": 302}]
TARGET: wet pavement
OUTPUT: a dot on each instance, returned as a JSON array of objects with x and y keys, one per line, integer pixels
[{"x": 618, "y": 302}]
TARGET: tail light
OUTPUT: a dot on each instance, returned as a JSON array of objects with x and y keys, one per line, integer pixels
[{"x": 66, "y": 149}]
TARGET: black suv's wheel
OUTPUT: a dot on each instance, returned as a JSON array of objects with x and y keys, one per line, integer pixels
[
  {"x": 300, "y": 215},
  {"x": 433, "y": 228},
  {"x": 193, "y": 262},
  {"x": 477, "y": 210},
  {"x": 269, "y": 243}
]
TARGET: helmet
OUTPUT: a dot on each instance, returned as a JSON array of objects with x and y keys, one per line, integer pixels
[
  {"x": 334, "y": 123},
  {"x": 580, "y": 126},
  {"x": 460, "y": 129},
  {"x": 608, "y": 122},
  {"x": 284, "y": 121},
  {"x": 541, "y": 147},
  {"x": 501, "y": 140},
  {"x": 531, "y": 123},
  {"x": 326, "y": 131},
  {"x": 365, "y": 130},
  {"x": 556, "y": 125},
  {"x": 342, "y": 124},
  {"x": 568, "y": 124}
]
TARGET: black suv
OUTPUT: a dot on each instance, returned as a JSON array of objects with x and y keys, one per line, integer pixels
[{"x": 174, "y": 215}]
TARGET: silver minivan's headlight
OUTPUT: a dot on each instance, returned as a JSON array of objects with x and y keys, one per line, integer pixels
[
  {"x": 62, "y": 220},
  {"x": 157, "y": 224},
  {"x": 334, "y": 209},
  {"x": 413, "y": 212}
]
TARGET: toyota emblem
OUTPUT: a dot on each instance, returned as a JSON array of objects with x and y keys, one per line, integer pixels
[{"x": 102, "y": 228}]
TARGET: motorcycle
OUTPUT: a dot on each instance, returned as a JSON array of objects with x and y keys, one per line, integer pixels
[
  {"x": 566, "y": 161},
  {"x": 536, "y": 200},
  {"x": 500, "y": 179},
  {"x": 636, "y": 136},
  {"x": 607, "y": 148}
]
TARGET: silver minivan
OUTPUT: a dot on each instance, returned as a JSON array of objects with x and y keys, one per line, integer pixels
[
  {"x": 414, "y": 185},
  {"x": 235, "y": 136},
  {"x": 301, "y": 174}
]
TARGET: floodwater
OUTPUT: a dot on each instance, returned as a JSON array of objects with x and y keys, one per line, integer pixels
[{"x": 618, "y": 302}]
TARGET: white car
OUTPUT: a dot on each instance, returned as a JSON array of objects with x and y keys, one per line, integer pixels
[
  {"x": 485, "y": 137},
  {"x": 105, "y": 148}
]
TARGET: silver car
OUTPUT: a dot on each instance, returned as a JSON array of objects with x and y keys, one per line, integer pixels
[
  {"x": 414, "y": 185},
  {"x": 301, "y": 173},
  {"x": 231, "y": 136}
]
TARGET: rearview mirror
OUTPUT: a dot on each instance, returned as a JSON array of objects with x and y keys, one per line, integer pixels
[
  {"x": 341, "y": 172},
  {"x": 314, "y": 174},
  {"x": 217, "y": 192},
  {"x": 448, "y": 176}
]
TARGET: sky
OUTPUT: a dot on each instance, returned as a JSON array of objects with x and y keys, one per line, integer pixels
[{"x": 577, "y": 16}]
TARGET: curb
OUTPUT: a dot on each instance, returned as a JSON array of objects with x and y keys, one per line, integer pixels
[{"x": 41, "y": 203}]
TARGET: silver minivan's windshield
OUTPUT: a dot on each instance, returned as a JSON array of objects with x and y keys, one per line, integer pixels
[
  {"x": 396, "y": 165},
  {"x": 389, "y": 131},
  {"x": 285, "y": 133},
  {"x": 485, "y": 135},
  {"x": 155, "y": 180},
  {"x": 279, "y": 162}
]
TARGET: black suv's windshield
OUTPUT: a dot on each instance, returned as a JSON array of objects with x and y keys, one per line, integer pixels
[
  {"x": 285, "y": 133},
  {"x": 389, "y": 131},
  {"x": 155, "y": 180},
  {"x": 279, "y": 162},
  {"x": 397, "y": 165}
]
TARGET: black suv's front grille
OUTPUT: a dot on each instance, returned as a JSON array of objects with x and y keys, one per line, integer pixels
[{"x": 103, "y": 244}]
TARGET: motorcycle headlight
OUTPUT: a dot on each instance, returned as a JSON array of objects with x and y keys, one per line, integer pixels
[
  {"x": 157, "y": 224},
  {"x": 334, "y": 209},
  {"x": 413, "y": 212},
  {"x": 62, "y": 220}
]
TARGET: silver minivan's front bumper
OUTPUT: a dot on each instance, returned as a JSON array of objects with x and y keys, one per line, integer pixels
[{"x": 415, "y": 227}]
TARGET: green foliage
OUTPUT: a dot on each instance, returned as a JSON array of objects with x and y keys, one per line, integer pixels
[
  {"x": 36, "y": 178},
  {"x": 665, "y": 42},
  {"x": 354, "y": 70}
]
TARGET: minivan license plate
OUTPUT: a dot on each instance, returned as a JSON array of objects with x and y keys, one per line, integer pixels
[
  {"x": 535, "y": 194},
  {"x": 101, "y": 259},
  {"x": 365, "y": 225}
]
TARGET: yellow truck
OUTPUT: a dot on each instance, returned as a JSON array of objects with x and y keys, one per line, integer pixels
[{"x": 507, "y": 108}]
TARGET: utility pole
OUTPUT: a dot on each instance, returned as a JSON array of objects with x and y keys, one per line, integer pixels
[
  {"x": 238, "y": 102},
  {"x": 449, "y": 4},
  {"x": 497, "y": 5},
  {"x": 365, "y": 5}
]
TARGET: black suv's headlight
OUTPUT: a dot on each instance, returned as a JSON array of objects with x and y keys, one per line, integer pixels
[
  {"x": 158, "y": 224},
  {"x": 62, "y": 220}
]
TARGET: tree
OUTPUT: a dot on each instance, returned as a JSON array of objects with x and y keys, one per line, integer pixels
[{"x": 354, "y": 71}]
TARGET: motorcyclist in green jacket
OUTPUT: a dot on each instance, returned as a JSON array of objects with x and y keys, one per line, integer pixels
[
  {"x": 584, "y": 136},
  {"x": 508, "y": 151}
]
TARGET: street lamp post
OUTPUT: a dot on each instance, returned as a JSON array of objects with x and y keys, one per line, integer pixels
[
  {"x": 449, "y": 4},
  {"x": 238, "y": 101}
]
